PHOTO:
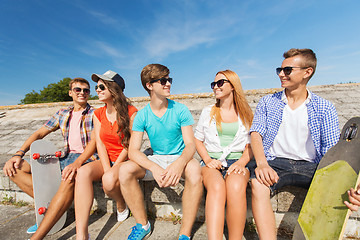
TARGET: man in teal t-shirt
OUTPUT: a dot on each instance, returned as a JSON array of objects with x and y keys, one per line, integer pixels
[{"x": 168, "y": 125}]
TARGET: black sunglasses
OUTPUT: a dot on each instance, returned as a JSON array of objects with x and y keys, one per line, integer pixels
[
  {"x": 101, "y": 86},
  {"x": 78, "y": 90},
  {"x": 163, "y": 81},
  {"x": 219, "y": 83},
  {"x": 287, "y": 70}
]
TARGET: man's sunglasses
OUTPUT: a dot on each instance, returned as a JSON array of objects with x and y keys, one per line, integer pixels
[
  {"x": 100, "y": 86},
  {"x": 287, "y": 70},
  {"x": 78, "y": 90},
  {"x": 163, "y": 81},
  {"x": 219, "y": 83}
]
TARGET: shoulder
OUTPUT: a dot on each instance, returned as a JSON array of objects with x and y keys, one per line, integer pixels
[
  {"x": 98, "y": 112},
  {"x": 132, "y": 110},
  {"x": 320, "y": 103},
  {"x": 177, "y": 105},
  {"x": 270, "y": 100}
]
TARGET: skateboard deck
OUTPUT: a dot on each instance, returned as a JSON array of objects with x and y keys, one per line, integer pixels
[
  {"x": 324, "y": 214},
  {"x": 46, "y": 176}
]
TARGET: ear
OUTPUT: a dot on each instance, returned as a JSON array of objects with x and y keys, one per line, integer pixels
[
  {"x": 308, "y": 72},
  {"x": 149, "y": 86},
  {"x": 70, "y": 93}
]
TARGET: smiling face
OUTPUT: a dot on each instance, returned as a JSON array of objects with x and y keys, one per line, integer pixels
[
  {"x": 225, "y": 91},
  {"x": 81, "y": 97},
  {"x": 104, "y": 95},
  {"x": 299, "y": 75},
  {"x": 156, "y": 88}
]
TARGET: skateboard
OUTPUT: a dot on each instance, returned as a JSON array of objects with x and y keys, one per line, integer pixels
[
  {"x": 46, "y": 176},
  {"x": 324, "y": 214}
]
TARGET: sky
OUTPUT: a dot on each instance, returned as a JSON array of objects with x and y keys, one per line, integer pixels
[{"x": 44, "y": 41}]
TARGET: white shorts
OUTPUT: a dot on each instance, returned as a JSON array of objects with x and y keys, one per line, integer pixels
[{"x": 162, "y": 160}]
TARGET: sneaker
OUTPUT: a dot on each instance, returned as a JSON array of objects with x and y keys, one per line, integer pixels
[
  {"x": 184, "y": 237},
  {"x": 122, "y": 216},
  {"x": 32, "y": 229},
  {"x": 138, "y": 233}
]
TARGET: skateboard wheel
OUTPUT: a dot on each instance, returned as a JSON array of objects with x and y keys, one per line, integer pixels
[
  {"x": 58, "y": 154},
  {"x": 41, "y": 210},
  {"x": 36, "y": 155}
]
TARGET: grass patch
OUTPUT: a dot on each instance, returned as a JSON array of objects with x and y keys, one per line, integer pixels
[{"x": 8, "y": 200}]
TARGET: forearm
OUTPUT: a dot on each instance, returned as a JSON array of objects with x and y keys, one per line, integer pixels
[
  {"x": 257, "y": 148},
  {"x": 123, "y": 156},
  {"x": 141, "y": 159},
  {"x": 247, "y": 155},
  {"x": 201, "y": 149}
]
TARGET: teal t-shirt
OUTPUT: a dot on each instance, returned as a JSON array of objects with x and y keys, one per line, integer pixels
[{"x": 164, "y": 133}]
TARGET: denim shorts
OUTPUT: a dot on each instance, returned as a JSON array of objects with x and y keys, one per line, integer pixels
[
  {"x": 69, "y": 159},
  {"x": 223, "y": 169},
  {"x": 291, "y": 172}
]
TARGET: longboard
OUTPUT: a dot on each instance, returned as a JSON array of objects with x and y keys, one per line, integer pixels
[
  {"x": 46, "y": 176},
  {"x": 324, "y": 214}
]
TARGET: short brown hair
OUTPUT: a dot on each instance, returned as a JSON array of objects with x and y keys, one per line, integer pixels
[
  {"x": 78, "y": 80},
  {"x": 152, "y": 72},
  {"x": 308, "y": 56}
]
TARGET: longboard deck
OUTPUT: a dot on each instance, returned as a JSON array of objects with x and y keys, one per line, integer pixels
[
  {"x": 46, "y": 179},
  {"x": 323, "y": 214}
]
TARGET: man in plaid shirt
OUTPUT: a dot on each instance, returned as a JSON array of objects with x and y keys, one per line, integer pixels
[
  {"x": 291, "y": 131},
  {"x": 76, "y": 126}
]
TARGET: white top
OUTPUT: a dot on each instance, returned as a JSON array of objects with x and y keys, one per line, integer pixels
[
  {"x": 206, "y": 132},
  {"x": 293, "y": 139}
]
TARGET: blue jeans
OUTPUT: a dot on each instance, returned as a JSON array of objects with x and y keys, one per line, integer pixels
[
  {"x": 69, "y": 159},
  {"x": 291, "y": 172},
  {"x": 223, "y": 169}
]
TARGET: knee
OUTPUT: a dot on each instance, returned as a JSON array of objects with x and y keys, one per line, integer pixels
[
  {"x": 126, "y": 173},
  {"x": 82, "y": 174},
  {"x": 236, "y": 183},
  {"x": 109, "y": 181},
  {"x": 193, "y": 173},
  {"x": 216, "y": 188}
]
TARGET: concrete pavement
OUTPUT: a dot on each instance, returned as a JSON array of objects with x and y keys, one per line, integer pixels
[{"x": 14, "y": 221}]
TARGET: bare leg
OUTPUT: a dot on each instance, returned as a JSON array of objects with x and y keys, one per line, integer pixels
[
  {"x": 23, "y": 179},
  {"x": 58, "y": 206},
  {"x": 129, "y": 174},
  {"x": 262, "y": 210},
  {"x": 191, "y": 196},
  {"x": 84, "y": 195},
  {"x": 215, "y": 202},
  {"x": 236, "y": 204},
  {"x": 111, "y": 186}
]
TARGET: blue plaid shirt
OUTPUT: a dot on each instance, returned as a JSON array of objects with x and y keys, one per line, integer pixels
[
  {"x": 61, "y": 119},
  {"x": 322, "y": 121}
]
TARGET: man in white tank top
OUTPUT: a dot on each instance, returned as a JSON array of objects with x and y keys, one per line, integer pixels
[
  {"x": 290, "y": 133},
  {"x": 76, "y": 126}
]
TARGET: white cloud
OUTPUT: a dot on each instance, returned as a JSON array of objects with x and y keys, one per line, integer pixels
[{"x": 99, "y": 48}]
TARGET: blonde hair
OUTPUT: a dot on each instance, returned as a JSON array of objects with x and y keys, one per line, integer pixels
[{"x": 242, "y": 107}]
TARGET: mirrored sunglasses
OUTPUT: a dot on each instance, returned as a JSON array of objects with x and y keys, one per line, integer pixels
[
  {"x": 219, "y": 83},
  {"x": 78, "y": 90}
]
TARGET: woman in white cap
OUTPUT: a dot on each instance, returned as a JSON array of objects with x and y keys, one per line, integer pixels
[
  {"x": 223, "y": 142},
  {"x": 112, "y": 125}
]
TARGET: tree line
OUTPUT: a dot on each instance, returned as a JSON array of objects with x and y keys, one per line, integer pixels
[{"x": 54, "y": 92}]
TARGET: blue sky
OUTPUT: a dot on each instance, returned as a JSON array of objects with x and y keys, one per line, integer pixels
[{"x": 42, "y": 42}]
